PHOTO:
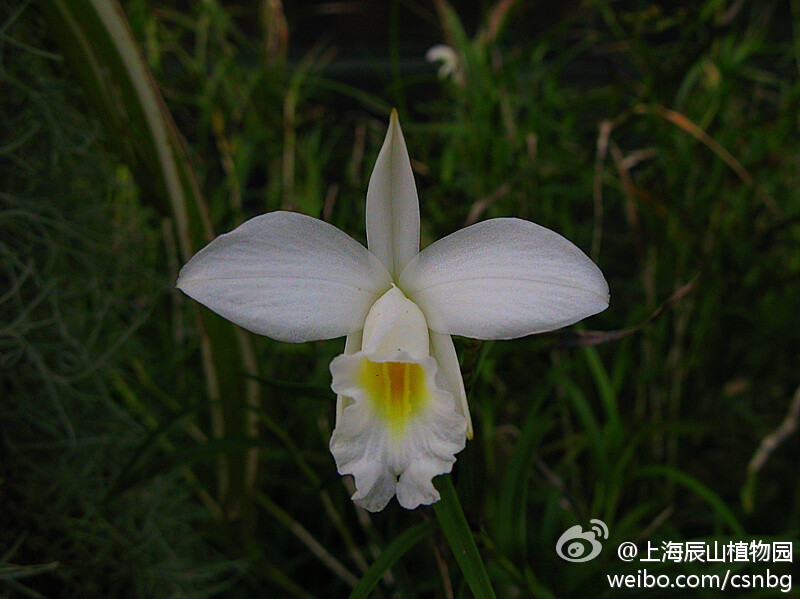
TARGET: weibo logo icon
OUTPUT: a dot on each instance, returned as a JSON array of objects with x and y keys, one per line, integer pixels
[{"x": 577, "y": 545}]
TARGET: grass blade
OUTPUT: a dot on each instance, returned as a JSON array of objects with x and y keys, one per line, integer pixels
[
  {"x": 456, "y": 530},
  {"x": 701, "y": 490},
  {"x": 100, "y": 47},
  {"x": 389, "y": 556}
]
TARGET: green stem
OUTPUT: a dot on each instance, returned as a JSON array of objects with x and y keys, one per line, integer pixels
[{"x": 459, "y": 537}]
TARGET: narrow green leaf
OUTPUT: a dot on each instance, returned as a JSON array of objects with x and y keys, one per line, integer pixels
[
  {"x": 389, "y": 556},
  {"x": 604, "y": 387},
  {"x": 585, "y": 414},
  {"x": 13, "y": 572},
  {"x": 510, "y": 520},
  {"x": 459, "y": 537},
  {"x": 100, "y": 47},
  {"x": 701, "y": 490}
]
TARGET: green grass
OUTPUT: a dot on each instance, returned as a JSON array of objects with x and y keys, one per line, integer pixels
[{"x": 661, "y": 140}]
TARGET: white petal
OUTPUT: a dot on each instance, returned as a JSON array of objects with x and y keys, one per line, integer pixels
[
  {"x": 444, "y": 352},
  {"x": 504, "y": 278},
  {"x": 288, "y": 276},
  {"x": 392, "y": 204},
  {"x": 352, "y": 344},
  {"x": 446, "y": 55}
]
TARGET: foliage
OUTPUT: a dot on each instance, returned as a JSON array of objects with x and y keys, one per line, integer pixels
[{"x": 661, "y": 138}]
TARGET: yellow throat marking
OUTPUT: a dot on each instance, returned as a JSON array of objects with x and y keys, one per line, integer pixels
[{"x": 396, "y": 389}]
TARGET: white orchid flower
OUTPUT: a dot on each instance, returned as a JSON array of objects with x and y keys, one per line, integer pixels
[
  {"x": 401, "y": 409},
  {"x": 448, "y": 59}
]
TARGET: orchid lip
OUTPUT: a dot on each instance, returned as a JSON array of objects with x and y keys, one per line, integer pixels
[{"x": 399, "y": 427}]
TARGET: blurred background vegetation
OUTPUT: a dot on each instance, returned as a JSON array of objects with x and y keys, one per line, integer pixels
[{"x": 149, "y": 449}]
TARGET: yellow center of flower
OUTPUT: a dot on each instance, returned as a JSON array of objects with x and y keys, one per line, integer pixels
[{"x": 396, "y": 389}]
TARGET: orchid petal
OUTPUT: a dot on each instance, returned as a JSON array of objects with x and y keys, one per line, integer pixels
[
  {"x": 288, "y": 276},
  {"x": 392, "y": 204},
  {"x": 503, "y": 278},
  {"x": 352, "y": 344},
  {"x": 443, "y": 350}
]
